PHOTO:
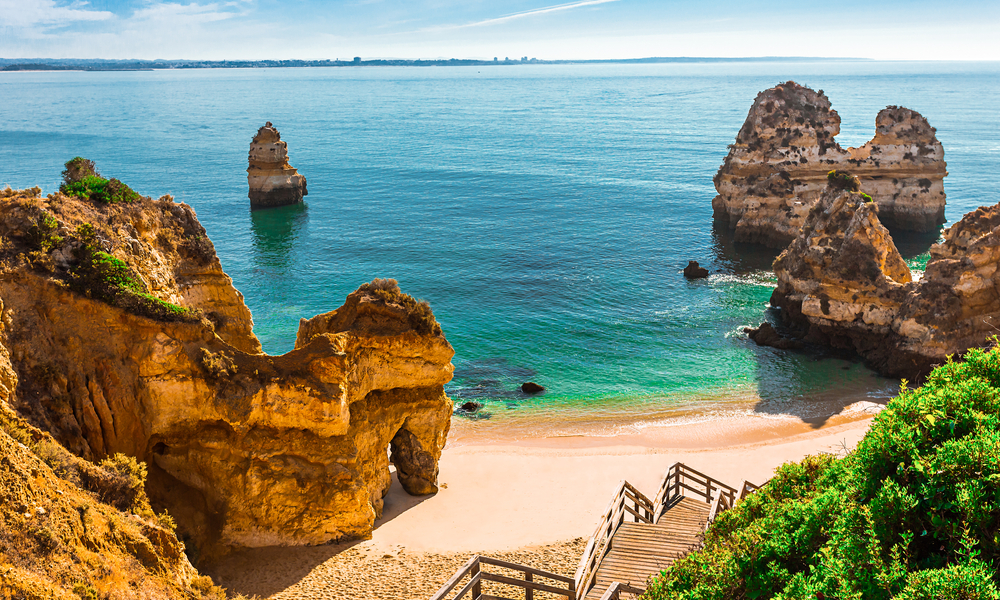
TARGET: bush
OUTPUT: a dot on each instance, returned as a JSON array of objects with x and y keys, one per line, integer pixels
[
  {"x": 105, "y": 277},
  {"x": 913, "y": 512},
  {"x": 120, "y": 481},
  {"x": 420, "y": 316},
  {"x": 78, "y": 168},
  {"x": 82, "y": 180}
]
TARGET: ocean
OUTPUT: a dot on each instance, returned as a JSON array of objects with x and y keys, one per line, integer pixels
[{"x": 544, "y": 211}]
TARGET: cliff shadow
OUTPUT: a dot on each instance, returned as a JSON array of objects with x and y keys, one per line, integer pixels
[
  {"x": 912, "y": 244},
  {"x": 275, "y": 232},
  {"x": 814, "y": 383},
  {"x": 270, "y": 570},
  {"x": 739, "y": 257}
]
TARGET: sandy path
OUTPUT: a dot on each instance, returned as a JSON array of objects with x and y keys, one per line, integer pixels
[{"x": 534, "y": 504}]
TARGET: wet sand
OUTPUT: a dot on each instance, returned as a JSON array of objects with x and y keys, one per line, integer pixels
[{"x": 533, "y": 501}]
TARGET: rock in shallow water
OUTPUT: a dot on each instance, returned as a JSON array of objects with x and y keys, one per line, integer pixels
[
  {"x": 843, "y": 283},
  {"x": 531, "y": 388},
  {"x": 273, "y": 182},
  {"x": 766, "y": 335},
  {"x": 694, "y": 271}
]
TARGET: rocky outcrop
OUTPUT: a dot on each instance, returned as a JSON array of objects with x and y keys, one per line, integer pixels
[
  {"x": 695, "y": 271},
  {"x": 273, "y": 182},
  {"x": 777, "y": 168},
  {"x": 244, "y": 449},
  {"x": 842, "y": 282}
]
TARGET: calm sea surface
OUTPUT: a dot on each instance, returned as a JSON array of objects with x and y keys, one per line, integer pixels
[{"x": 544, "y": 211}]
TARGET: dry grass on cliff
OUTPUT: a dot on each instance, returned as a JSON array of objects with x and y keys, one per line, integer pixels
[
  {"x": 58, "y": 539},
  {"x": 420, "y": 315}
]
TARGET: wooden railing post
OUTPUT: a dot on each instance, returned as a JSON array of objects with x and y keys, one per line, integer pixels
[
  {"x": 529, "y": 593},
  {"x": 477, "y": 589}
]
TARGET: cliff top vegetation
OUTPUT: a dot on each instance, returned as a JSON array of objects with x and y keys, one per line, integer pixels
[
  {"x": 420, "y": 315},
  {"x": 912, "y": 513},
  {"x": 87, "y": 236}
]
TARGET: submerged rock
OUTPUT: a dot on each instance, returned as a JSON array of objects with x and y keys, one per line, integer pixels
[
  {"x": 777, "y": 168},
  {"x": 471, "y": 406},
  {"x": 272, "y": 181},
  {"x": 767, "y": 335},
  {"x": 531, "y": 387},
  {"x": 694, "y": 271},
  {"x": 243, "y": 448},
  {"x": 843, "y": 283}
]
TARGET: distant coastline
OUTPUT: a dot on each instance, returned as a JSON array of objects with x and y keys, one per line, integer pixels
[{"x": 94, "y": 64}]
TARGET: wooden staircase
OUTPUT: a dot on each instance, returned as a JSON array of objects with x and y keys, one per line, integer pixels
[
  {"x": 636, "y": 538},
  {"x": 641, "y": 549}
]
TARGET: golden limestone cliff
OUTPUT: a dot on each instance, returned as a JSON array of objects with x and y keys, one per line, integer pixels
[
  {"x": 72, "y": 529},
  {"x": 777, "y": 167},
  {"x": 272, "y": 181},
  {"x": 842, "y": 283},
  {"x": 126, "y": 336}
]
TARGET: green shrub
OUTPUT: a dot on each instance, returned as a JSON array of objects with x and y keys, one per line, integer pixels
[
  {"x": 82, "y": 180},
  {"x": 42, "y": 232},
  {"x": 77, "y": 168},
  {"x": 912, "y": 513},
  {"x": 107, "y": 278}
]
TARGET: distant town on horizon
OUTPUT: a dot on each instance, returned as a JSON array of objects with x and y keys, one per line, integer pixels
[{"x": 103, "y": 64}]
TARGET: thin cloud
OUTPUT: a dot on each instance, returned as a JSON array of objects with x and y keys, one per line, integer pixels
[{"x": 531, "y": 13}]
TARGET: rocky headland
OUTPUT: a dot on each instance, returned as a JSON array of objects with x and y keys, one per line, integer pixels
[
  {"x": 125, "y": 336},
  {"x": 843, "y": 283},
  {"x": 777, "y": 167},
  {"x": 273, "y": 182}
]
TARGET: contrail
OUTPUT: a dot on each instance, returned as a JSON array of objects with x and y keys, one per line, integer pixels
[{"x": 536, "y": 11}]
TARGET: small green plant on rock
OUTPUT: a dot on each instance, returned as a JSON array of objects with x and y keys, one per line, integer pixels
[{"x": 843, "y": 181}]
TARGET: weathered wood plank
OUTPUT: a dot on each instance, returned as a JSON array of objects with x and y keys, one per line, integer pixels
[{"x": 515, "y": 567}]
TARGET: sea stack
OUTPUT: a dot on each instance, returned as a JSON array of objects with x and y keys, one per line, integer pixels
[
  {"x": 273, "y": 182},
  {"x": 843, "y": 283},
  {"x": 777, "y": 168}
]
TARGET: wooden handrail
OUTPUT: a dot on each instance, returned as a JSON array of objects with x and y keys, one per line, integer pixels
[
  {"x": 473, "y": 569},
  {"x": 627, "y": 503},
  {"x": 644, "y": 511},
  {"x": 616, "y": 589}
]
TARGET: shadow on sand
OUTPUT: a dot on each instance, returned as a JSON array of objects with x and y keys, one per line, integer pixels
[{"x": 269, "y": 570}]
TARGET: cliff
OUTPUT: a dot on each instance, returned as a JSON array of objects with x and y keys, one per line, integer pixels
[
  {"x": 126, "y": 336},
  {"x": 71, "y": 529},
  {"x": 842, "y": 283},
  {"x": 272, "y": 181},
  {"x": 777, "y": 167}
]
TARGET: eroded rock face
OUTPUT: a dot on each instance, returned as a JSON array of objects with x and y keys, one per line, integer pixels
[
  {"x": 842, "y": 282},
  {"x": 273, "y": 182},
  {"x": 243, "y": 448},
  {"x": 777, "y": 168}
]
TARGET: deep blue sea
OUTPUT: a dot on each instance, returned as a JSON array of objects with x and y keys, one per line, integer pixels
[{"x": 545, "y": 211}]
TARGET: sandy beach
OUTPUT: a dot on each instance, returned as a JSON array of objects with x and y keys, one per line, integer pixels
[{"x": 533, "y": 501}]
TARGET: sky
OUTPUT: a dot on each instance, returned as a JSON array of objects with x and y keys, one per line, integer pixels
[{"x": 580, "y": 29}]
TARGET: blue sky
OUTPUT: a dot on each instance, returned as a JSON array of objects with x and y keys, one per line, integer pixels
[{"x": 580, "y": 29}]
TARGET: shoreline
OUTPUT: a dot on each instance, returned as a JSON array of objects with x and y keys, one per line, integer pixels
[{"x": 534, "y": 500}]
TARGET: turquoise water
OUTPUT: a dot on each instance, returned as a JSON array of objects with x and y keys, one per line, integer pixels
[{"x": 544, "y": 211}]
